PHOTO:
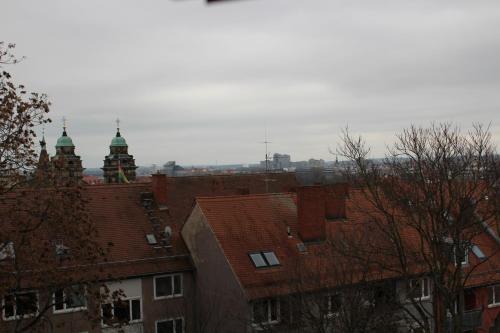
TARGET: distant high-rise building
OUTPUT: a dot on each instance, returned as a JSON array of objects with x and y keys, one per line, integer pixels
[
  {"x": 281, "y": 161},
  {"x": 119, "y": 166}
]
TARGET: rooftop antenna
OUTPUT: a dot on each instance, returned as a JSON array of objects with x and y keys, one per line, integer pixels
[
  {"x": 267, "y": 153},
  {"x": 267, "y": 179}
]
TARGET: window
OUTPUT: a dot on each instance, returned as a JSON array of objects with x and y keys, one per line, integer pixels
[
  {"x": 122, "y": 311},
  {"x": 69, "y": 299},
  {"x": 462, "y": 256},
  {"x": 264, "y": 259},
  {"x": 494, "y": 295},
  {"x": 7, "y": 251},
  {"x": 20, "y": 305},
  {"x": 266, "y": 311},
  {"x": 151, "y": 239},
  {"x": 457, "y": 253},
  {"x": 478, "y": 253},
  {"x": 419, "y": 289},
  {"x": 170, "y": 325},
  {"x": 332, "y": 304},
  {"x": 167, "y": 286}
]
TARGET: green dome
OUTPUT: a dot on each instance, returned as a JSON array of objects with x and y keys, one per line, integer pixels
[
  {"x": 64, "y": 141},
  {"x": 118, "y": 141}
]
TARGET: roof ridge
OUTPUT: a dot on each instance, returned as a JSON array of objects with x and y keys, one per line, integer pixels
[
  {"x": 116, "y": 185},
  {"x": 243, "y": 196}
]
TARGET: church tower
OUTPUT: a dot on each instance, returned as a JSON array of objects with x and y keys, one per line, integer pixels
[
  {"x": 119, "y": 166},
  {"x": 43, "y": 170},
  {"x": 67, "y": 166}
]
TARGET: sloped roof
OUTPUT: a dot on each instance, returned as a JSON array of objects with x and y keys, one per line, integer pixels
[
  {"x": 182, "y": 191},
  {"x": 121, "y": 219},
  {"x": 251, "y": 223},
  {"x": 122, "y": 224}
]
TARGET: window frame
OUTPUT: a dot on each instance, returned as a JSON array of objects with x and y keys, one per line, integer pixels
[
  {"x": 465, "y": 261},
  {"x": 269, "y": 311},
  {"x": 172, "y": 320},
  {"x": 495, "y": 302},
  {"x": 423, "y": 296},
  {"x": 65, "y": 309},
  {"x": 131, "y": 321},
  {"x": 16, "y": 316},
  {"x": 262, "y": 255},
  {"x": 329, "y": 312},
  {"x": 174, "y": 295}
]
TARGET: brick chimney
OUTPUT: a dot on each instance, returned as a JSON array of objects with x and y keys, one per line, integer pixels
[
  {"x": 159, "y": 185},
  {"x": 311, "y": 213},
  {"x": 335, "y": 200}
]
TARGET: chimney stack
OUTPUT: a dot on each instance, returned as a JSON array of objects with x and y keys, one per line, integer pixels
[
  {"x": 335, "y": 200},
  {"x": 311, "y": 213},
  {"x": 159, "y": 185}
]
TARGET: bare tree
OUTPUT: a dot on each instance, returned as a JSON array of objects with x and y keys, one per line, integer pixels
[
  {"x": 430, "y": 198},
  {"x": 332, "y": 293}
]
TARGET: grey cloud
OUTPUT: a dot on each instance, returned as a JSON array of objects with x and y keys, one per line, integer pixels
[{"x": 200, "y": 83}]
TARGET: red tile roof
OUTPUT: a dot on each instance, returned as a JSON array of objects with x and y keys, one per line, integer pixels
[
  {"x": 120, "y": 218},
  {"x": 182, "y": 191},
  {"x": 245, "y": 224}
]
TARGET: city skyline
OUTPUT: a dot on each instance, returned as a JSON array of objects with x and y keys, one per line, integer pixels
[{"x": 200, "y": 84}]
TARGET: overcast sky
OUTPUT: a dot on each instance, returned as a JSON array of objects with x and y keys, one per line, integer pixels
[{"x": 200, "y": 84}]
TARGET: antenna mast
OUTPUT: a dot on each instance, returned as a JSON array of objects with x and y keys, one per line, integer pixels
[
  {"x": 267, "y": 153},
  {"x": 267, "y": 179}
]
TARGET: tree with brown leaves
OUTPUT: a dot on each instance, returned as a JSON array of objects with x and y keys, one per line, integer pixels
[
  {"x": 20, "y": 113},
  {"x": 49, "y": 255},
  {"x": 432, "y": 199}
]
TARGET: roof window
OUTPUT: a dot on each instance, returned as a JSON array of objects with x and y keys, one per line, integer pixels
[
  {"x": 151, "y": 239},
  {"x": 478, "y": 253},
  {"x": 264, "y": 259}
]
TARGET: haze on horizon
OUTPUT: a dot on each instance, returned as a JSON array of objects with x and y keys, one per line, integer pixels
[{"x": 200, "y": 84}]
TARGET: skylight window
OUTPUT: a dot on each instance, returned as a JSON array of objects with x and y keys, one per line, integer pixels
[
  {"x": 151, "y": 239},
  {"x": 271, "y": 258},
  {"x": 258, "y": 260},
  {"x": 478, "y": 253},
  {"x": 264, "y": 259}
]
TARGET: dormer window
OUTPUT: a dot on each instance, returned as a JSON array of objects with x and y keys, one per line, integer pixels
[{"x": 264, "y": 259}]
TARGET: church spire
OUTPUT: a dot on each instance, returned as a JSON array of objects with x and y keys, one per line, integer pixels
[
  {"x": 118, "y": 128},
  {"x": 43, "y": 144},
  {"x": 119, "y": 160},
  {"x": 66, "y": 164}
]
